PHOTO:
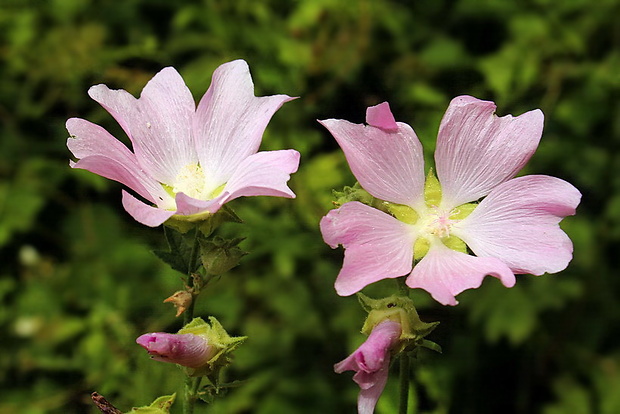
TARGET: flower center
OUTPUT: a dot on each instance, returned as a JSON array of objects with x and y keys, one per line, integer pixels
[
  {"x": 437, "y": 223},
  {"x": 191, "y": 181},
  {"x": 431, "y": 222}
]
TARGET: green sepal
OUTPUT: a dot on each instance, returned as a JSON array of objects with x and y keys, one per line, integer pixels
[
  {"x": 205, "y": 222},
  {"x": 219, "y": 255},
  {"x": 160, "y": 406},
  {"x": 463, "y": 211},
  {"x": 431, "y": 345},
  {"x": 355, "y": 193},
  {"x": 402, "y": 212},
  {"x": 209, "y": 392},
  {"x": 432, "y": 190},
  {"x": 217, "y": 337},
  {"x": 399, "y": 309},
  {"x": 454, "y": 243}
]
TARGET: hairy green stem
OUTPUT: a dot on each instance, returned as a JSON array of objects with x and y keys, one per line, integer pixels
[
  {"x": 405, "y": 374},
  {"x": 191, "y": 384},
  {"x": 188, "y": 315}
]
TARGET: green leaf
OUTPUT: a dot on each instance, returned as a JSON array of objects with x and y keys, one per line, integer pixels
[{"x": 180, "y": 251}]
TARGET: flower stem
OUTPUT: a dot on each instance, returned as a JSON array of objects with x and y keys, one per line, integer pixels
[
  {"x": 188, "y": 315},
  {"x": 191, "y": 384},
  {"x": 405, "y": 373}
]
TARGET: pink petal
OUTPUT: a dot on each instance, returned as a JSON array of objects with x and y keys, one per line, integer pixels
[
  {"x": 518, "y": 224},
  {"x": 102, "y": 154},
  {"x": 262, "y": 174},
  {"x": 377, "y": 246},
  {"x": 230, "y": 120},
  {"x": 370, "y": 356},
  {"x": 159, "y": 123},
  {"x": 187, "y": 205},
  {"x": 476, "y": 150},
  {"x": 143, "y": 213},
  {"x": 388, "y": 163},
  {"x": 188, "y": 350},
  {"x": 445, "y": 273},
  {"x": 367, "y": 399},
  {"x": 371, "y": 362},
  {"x": 380, "y": 116}
]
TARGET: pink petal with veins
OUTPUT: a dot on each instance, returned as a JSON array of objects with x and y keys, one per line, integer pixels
[
  {"x": 518, "y": 223},
  {"x": 143, "y": 213},
  {"x": 159, "y": 123},
  {"x": 377, "y": 246},
  {"x": 388, "y": 163},
  {"x": 444, "y": 273},
  {"x": 230, "y": 120},
  {"x": 477, "y": 150}
]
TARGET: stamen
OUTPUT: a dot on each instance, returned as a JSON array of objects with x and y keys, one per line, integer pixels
[{"x": 191, "y": 181}]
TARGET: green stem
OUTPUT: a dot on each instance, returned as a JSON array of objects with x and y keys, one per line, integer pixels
[
  {"x": 403, "y": 289},
  {"x": 191, "y": 384},
  {"x": 188, "y": 315},
  {"x": 404, "y": 383}
]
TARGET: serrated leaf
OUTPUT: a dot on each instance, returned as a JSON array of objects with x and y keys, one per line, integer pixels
[{"x": 180, "y": 251}]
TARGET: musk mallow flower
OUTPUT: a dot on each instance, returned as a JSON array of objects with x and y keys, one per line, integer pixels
[
  {"x": 371, "y": 363},
  {"x": 474, "y": 205},
  {"x": 185, "y": 160}
]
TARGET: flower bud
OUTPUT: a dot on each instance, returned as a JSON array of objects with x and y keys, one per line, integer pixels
[
  {"x": 371, "y": 362},
  {"x": 189, "y": 350},
  {"x": 202, "y": 347}
]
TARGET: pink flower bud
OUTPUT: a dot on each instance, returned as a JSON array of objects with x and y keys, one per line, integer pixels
[
  {"x": 189, "y": 350},
  {"x": 371, "y": 362}
]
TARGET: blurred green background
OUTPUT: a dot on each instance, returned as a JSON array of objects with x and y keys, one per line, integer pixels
[{"x": 78, "y": 281}]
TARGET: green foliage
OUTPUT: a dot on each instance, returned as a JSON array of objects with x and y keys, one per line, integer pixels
[{"x": 78, "y": 281}]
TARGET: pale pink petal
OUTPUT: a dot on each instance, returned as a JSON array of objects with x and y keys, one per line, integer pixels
[
  {"x": 381, "y": 116},
  {"x": 122, "y": 105},
  {"x": 159, "y": 123},
  {"x": 230, "y": 120},
  {"x": 377, "y": 246},
  {"x": 388, "y": 163},
  {"x": 102, "y": 154},
  {"x": 477, "y": 150},
  {"x": 518, "y": 224},
  {"x": 143, "y": 213},
  {"x": 444, "y": 273},
  {"x": 187, "y": 205},
  {"x": 262, "y": 174}
]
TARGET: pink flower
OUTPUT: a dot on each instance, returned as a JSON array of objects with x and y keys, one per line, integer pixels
[
  {"x": 514, "y": 229},
  {"x": 189, "y": 350},
  {"x": 186, "y": 161},
  {"x": 371, "y": 363}
]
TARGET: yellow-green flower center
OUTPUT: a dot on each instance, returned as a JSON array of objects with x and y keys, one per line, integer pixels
[
  {"x": 430, "y": 221},
  {"x": 191, "y": 181}
]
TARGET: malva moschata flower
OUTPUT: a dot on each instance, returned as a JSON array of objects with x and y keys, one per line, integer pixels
[
  {"x": 474, "y": 205},
  {"x": 371, "y": 363},
  {"x": 186, "y": 161}
]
